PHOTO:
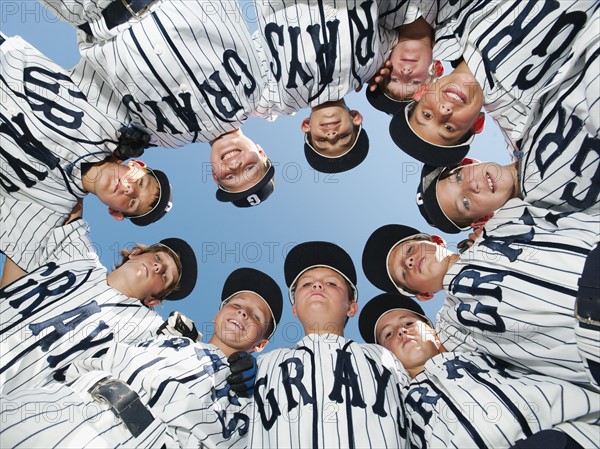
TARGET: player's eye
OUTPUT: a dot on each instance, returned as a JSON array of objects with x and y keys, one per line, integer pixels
[
  {"x": 388, "y": 335},
  {"x": 164, "y": 279},
  {"x": 320, "y": 139},
  {"x": 449, "y": 128},
  {"x": 458, "y": 175},
  {"x": 427, "y": 115},
  {"x": 157, "y": 257},
  {"x": 229, "y": 178},
  {"x": 250, "y": 167},
  {"x": 403, "y": 274},
  {"x": 132, "y": 203},
  {"x": 393, "y": 79},
  {"x": 256, "y": 317},
  {"x": 307, "y": 284},
  {"x": 466, "y": 203},
  {"x": 410, "y": 250},
  {"x": 331, "y": 283}
]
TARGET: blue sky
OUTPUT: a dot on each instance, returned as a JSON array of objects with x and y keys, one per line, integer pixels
[{"x": 306, "y": 205}]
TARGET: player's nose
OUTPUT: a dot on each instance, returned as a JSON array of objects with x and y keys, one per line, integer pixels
[
  {"x": 317, "y": 285},
  {"x": 242, "y": 312},
  {"x": 445, "y": 109},
  {"x": 410, "y": 261},
  {"x": 406, "y": 70}
]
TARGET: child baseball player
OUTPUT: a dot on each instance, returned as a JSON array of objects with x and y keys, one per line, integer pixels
[
  {"x": 56, "y": 148},
  {"x": 467, "y": 399},
  {"x": 70, "y": 307},
  {"x": 510, "y": 295},
  {"x": 186, "y": 71},
  {"x": 166, "y": 391},
  {"x": 327, "y": 391},
  {"x": 315, "y": 54},
  {"x": 508, "y": 81}
]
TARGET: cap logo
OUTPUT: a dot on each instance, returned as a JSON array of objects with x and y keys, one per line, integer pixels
[
  {"x": 419, "y": 199},
  {"x": 253, "y": 199},
  {"x": 168, "y": 207}
]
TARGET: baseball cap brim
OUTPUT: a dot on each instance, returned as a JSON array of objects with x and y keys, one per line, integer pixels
[
  {"x": 377, "y": 252},
  {"x": 408, "y": 141},
  {"x": 189, "y": 267},
  {"x": 162, "y": 206},
  {"x": 259, "y": 283},
  {"x": 382, "y": 102},
  {"x": 347, "y": 161},
  {"x": 427, "y": 201},
  {"x": 253, "y": 196},
  {"x": 377, "y": 307},
  {"x": 308, "y": 255}
]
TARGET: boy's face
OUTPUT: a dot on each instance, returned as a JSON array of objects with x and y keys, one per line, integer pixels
[
  {"x": 332, "y": 129},
  {"x": 322, "y": 295},
  {"x": 149, "y": 275},
  {"x": 411, "y": 61},
  {"x": 420, "y": 266},
  {"x": 237, "y": 162},
  {"x": 411, "y": 340},
  {"x": 242, "y": 322},
  {"x": 474, "y": 191},
  {"x": 127, "y": 189},
  {"x": 448, "y": 109}
]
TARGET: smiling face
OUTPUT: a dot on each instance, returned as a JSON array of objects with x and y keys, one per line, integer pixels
[
  {"x": 242, "y": 323},
  {"x": 474, "y": 191},
  {"x": 411, "y": 63},
  {"x": 127, "y": 189},
  {"x": 410, "y": 339},
  {"x": 237, "y": 162},
  {"x": 322, "y": 301},
  {"x": 148, "y": 275},
  {"x": 448, "y": 109},
  {"x": 419, "y": 266},
  {"x": 332, "y": 128}
]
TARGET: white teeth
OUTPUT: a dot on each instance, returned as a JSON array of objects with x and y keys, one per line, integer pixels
[
  {"x": 237, "y": 324},
  {"x": 454, "y": 96},
  {"x": 490, "y": 184},
  {"x": 231, "y": 154}
]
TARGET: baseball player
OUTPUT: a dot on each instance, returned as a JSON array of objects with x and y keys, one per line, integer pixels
[
  {"x": 56, "y": 148},
  {"x": 186, "y": 71},
  {"x": 70, "y": 307},
  {"x": 507, "y": 80},
  {"x": 314, "y": 54},
  {"x": 177, "y": 390},
  {"x": 466, "y": 399},
  {"x": 327, "y": 391},
  {"x": 510, "y": 295}
]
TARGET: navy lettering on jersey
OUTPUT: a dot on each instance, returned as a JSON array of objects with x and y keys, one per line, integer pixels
[
  {"x": 267, "y": 422},
  {"x": 363, "y": 48},
  {"x": 161, "y": 122},
  {"x": 502, "y": 245},
  {"x": 44, "y": 104},
  {"x": 230, "y": 56},
  {"x": 272, "y": 31},
  {"x": 295, "y": 67},
  {"x": 288, "y": 381},
  {"x": 63, "y": 323},
  {"x": 382, "y": 379},
  {"x": 422, "y": 397},
  {"x": 83, "y": 345},
  {"x": 589, "y": 145},
  {"x": 134, "y": 108},
  {"x": 221, "y": 96},
  {"x": 23, "y": 137},
  {"x": 345, "y": 375},
  {"x": 185, "y": 112},
  {"x": 326, "y": 51},
  {"x": 239, "y": 422}
]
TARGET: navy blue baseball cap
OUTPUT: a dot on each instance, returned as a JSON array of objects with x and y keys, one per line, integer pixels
[
  {"x": 259, "y": 283},
  {"x": 338, "y": 164},
  {"x": 383, "y": 102},
  {"x": 409, "y": 141},
  {"x": 189, "y": 267},
  {"x": 377, "y": 253},
  {"x": 308, "y": 255},
  {"x": 162, "y": 206},
  {"x": 253, "y": 196},
  {"x": 428, "y": 203},
  {"x": 379, "y": 306}
]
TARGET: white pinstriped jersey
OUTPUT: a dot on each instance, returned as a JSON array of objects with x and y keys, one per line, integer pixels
[
  {"x": 512, "y": 294},
  {"x": 318, "y": 51},
  {"x": 516, "y": 50},
  {"x": 467, "y": 400},
  {"x": 187, "y": 71},
  {"x": 182, "y": 383},
  {"x": 560, "y": 166},
  {"x": 62, "y": 311},
  {"x": 328, "y": 392}
]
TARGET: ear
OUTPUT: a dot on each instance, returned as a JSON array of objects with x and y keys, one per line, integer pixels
[
  {"x": 352, "y": 309},
  {"x": 305, "y": 126},
  {"x": 419, "y": 93},
  {"x": 215, "y": 178},
  {"x": 424, "y": 296},
  {"x": 150, "y": 301},
  {"x": 294, "y": 311},
  {"x": 261, "y": 151},
  {"x": 260, "y": 346},
  {"x": 137, "y": 163},
  {"x": 478, "y": 125},
  {"x": 438, "y": 68},
  {"x": 438, "y": 240},
  {"x": 357, "y": 117},
  {"x": 135, "y": 252},
  {"x": 116, "y": 214}
]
